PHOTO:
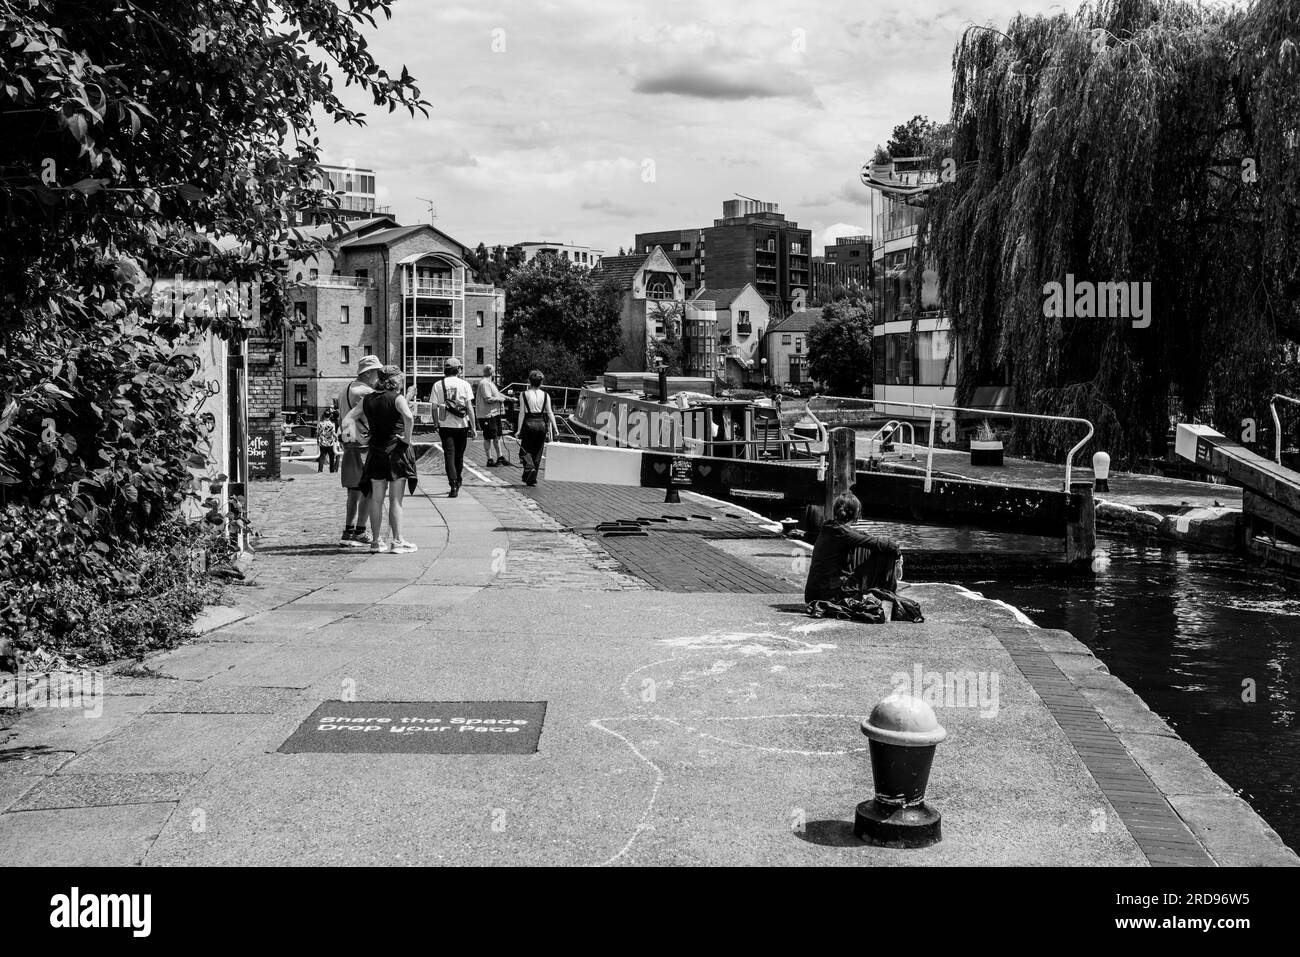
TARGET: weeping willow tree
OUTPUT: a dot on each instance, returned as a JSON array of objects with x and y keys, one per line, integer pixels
[{"x": 1135, "y": 141}]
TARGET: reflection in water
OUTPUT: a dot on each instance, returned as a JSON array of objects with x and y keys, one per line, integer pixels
[{"x": 1191, "y": 633}]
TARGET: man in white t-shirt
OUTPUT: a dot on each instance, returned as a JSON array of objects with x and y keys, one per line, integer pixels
[{"x": 454, "y": 401}]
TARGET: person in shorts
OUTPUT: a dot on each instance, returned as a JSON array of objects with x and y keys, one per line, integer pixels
[
  {"x": 353, "y": 464},
  {"x": 490, "y": 409}
]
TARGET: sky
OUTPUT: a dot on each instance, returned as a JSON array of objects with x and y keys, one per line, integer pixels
[{"x": 587, "y": 122}]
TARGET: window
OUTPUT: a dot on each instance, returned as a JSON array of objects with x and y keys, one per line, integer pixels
[
  {"x": 478, "y": 355},
  {"x": 785, "y": 338},
  {"x": 771, "y": 245},
  {"x": 362, "y": 273},
  {"x": 658, "y": 287},
  {"x": 300, "y": 312},
  {"x": 313, "y": 274},
  {"x": 478, "y": 319},
  {"x": 300, "y": 395},
  {"x": 796, "y": 248},
  {"x": 300, "y": 353},
  {"x": 368, "y": 315},
  {"x": 366, "y": 350},
  {"x": 346, "y": 355},
  {"x": 343, "y": 314},
  {"x": 648, "y": 247},
  {"x": 798, "y": 344}
]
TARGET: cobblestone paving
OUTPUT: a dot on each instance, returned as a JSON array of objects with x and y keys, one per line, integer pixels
[{"x": 296, "y": 526}]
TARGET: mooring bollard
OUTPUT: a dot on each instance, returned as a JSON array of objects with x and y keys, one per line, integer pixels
[
  {"x": 903, "y": 732},
  {"x": 1101, "y": 472}
]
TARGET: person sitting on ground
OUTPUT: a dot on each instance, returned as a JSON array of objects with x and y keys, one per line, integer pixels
[
  {"x": 390, "y": 464},
  {"x": 848, "y": 562}
]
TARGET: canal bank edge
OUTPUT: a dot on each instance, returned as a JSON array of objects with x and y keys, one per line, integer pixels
[{"x": 1225, "y": 824}]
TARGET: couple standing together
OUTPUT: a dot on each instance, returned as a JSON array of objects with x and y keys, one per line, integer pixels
[{"x": 376, "y": 433}]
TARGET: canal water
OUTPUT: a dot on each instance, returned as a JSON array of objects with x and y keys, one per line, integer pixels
[{"x": 1192, "y": 633}]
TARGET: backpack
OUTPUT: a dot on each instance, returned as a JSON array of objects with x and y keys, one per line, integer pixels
[
  {"x": 354, "y": 430},
  {"x": 454, "y": 403}
]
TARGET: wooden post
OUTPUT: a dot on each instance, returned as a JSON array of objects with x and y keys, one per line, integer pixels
[
  {"x": 1081, "y": 535},
  {"x": 841, "y": 466}
]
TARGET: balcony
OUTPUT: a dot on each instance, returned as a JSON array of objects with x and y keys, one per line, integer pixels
[
  {"x": 480, "y": 289},
  {"x": 426, "y": 365},
  {"x": 744, "y": 329},
  {"x": 339, "y": 282},
  {"x": 436, "y": 288},
  {"x": 446, "y": 327}
]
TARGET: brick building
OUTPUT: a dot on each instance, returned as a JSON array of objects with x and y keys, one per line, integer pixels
[
  {"x": 654, "y": 295},
  {"x": 785, "y": 346},
  {"x": 398, "y": 292},
  {"x": 752, "y": 243}
]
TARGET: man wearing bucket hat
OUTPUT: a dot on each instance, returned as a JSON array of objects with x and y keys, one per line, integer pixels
[
  {"x": 455, "y": 402},
  {"x": 354, "y": 454}
]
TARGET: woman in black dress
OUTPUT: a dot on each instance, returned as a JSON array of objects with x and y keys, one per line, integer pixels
[
  {"x": 390, "y": 466},
  {"x": 536, "y": 425}
]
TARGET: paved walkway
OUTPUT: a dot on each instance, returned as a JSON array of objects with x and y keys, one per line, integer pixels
[{"x": 682, "y": 725}]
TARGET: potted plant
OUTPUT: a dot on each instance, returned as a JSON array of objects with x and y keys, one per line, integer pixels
[{"x": 986, "y": 447}]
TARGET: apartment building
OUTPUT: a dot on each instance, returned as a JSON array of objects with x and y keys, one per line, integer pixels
[
  {"x": 578, "y": 255},
  {"x": 355, "y": 189},
  {"x": 398, "y": 292},
  {"x": 752, "y": 243}
]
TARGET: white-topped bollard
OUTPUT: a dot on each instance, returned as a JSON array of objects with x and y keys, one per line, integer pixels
[
  {"x": 903, "y": 732},
  {"x": 1101, "y": 472}
]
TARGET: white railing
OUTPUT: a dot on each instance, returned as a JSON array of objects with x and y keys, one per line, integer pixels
[
  {"x": 449, "y": 327},
  {"x": 440, "y": 288},
  {"x": 428, "y": 365},
  {"x": 985, "y": 413},
  {"x": 342, "y": 282},
  {"x": 1277, "y": 424},
  {"x": 888, "y": 429},
  {"x": 480, "y": 289}
]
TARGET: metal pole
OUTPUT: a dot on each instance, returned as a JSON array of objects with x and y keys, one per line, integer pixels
[{"x": 929, "y": 458}]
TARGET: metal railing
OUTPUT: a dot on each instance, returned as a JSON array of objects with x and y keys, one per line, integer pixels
[
  {"x": 985, "y": 413},
  {"x": 340, "y": 282},
  {"x": 1277, "y": 423},
  {"x": 889, "y": 428},
  {"x": 441, "y": 288},
  {"x": 514, "y": 389},
  {"x": 447, "y": 327}
]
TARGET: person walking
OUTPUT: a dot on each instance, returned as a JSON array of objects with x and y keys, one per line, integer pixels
[
  {"x": 454, "y": 400},
  {"x": 327, "y": 438},
  {"x": 390, "y": 464},
  {"x": 490, "y": 410},
  {"x": 353, "y": 460},
  {"x": 536, "y": 425}
]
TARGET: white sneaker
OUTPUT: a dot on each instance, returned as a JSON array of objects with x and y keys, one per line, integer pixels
[
  {"x": 402, "y": 547},
  {"x": 378, "y": 547}
]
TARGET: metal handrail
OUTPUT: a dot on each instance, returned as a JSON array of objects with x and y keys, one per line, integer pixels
[
  {"x": 892, "y": 426},
  {"x": 986, "y": 413},
  {"x": 1277, "y": 423}
]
